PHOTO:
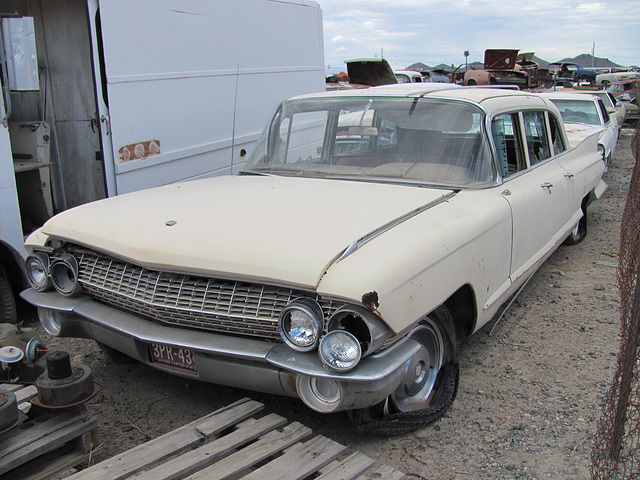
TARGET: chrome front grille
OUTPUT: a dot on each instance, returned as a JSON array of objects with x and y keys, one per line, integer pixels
[{"x": 227, "y": 306}]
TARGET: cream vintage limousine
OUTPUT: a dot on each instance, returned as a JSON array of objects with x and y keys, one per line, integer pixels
[{"x": 367, "y": 232}]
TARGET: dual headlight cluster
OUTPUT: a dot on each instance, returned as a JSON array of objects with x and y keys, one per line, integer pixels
[
  {"x": 44, "y": 272},
  {"x": 352, "y": 332}
]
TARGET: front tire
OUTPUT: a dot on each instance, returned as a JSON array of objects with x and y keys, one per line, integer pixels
[{"x": 429, "y": 386}]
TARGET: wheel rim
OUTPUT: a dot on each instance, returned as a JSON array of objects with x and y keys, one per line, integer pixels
[{"x": 418, "y": 384}]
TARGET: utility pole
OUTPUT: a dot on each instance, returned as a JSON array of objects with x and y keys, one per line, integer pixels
[{"x": 593, "y": 54}]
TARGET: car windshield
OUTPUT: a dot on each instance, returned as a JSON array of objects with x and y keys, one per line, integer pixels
[
  {"x": 384, "y": 139},
  {"x": 578, "y": 111},
  {"x": 606, "y": 99}
]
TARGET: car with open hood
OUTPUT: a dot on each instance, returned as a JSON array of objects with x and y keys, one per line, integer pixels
[
  {"x": 500, "y": 68},
  {"x": 369, "y": 231}
]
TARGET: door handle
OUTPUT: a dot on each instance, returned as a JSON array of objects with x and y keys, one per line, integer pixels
[
  {"x": 568, "y": 175},
  {"x": 107, "y": 123},
  {"x": 547, "y": 185}
]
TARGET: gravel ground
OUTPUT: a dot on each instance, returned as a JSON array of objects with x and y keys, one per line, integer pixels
[{"x": 529, "y": 397}]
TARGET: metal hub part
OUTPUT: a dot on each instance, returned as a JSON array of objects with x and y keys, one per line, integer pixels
[
  {"x": 417, "y": 386},
  {"x": 9, "y": 413},
  {"x": 64, "y": 384}
]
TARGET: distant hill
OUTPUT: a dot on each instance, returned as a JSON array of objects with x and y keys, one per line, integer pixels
[
  {"x": 585, "y": 60},
  {"x": 419, "y": 66}
]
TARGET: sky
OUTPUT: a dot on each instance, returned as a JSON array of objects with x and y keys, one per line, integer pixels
[{"x": 439, "y": 31}]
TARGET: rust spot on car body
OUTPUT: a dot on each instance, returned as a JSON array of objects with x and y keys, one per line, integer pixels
[{"x": 370, "y": 300}]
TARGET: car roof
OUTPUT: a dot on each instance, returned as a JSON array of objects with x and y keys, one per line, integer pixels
[
  {"x": 584, "y": 97},
  {"x": 491, "y": 99}
]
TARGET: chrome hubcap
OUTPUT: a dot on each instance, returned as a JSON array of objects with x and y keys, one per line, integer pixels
[{"x": 416, "y": 388}]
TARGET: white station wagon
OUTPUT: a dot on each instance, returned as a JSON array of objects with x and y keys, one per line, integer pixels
[{"x": 368, "y": 232}]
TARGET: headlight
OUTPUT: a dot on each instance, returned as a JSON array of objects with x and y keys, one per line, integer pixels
[
  {"x": 64, "y": 274},
  {"x": 300, "y": 324},
  {"x": 37, "y": 270},
  {"x": 340, "y": 350},
  {"x": 365, "y": 325}
]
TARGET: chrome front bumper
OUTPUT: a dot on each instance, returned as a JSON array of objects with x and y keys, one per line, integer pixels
[{"x": 233, "y": 361}]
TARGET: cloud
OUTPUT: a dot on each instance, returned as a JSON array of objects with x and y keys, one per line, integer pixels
[{"x": 438, "y": 31}]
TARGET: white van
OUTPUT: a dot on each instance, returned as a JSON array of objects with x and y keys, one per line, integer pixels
[{"x": 135, "y": 95}]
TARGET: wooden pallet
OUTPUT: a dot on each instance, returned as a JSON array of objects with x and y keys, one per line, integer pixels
[
  {"x": 230, "y": 443},
  {"x": 46, "y": 442}
]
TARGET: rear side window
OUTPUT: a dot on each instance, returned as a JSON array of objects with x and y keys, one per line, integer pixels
[
  {"x": 532, "y": 135},
  {"x": 535, "y": 130},
  {"x": 556, "y": 135},
  {"x": 505, "y": 131}
]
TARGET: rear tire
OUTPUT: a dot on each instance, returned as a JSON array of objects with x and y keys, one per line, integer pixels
[
  {"x": 429, "y": 386},
  {"x": 8, "y": 311},
  {"x": 579, "y": 233}
]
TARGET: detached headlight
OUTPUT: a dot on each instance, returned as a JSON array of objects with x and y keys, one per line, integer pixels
[
  {"x": 64, "y": 274},
  {"x": 340, "y": 350},
  {"x": 300, "y": 324},
  {"x": 37, "y": 270}
]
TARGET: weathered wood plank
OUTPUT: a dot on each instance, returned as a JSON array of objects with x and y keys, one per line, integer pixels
[
  {"x": 383, "y": 473},
  {"x": 73, "y": 453},
  {"x": 316, "y": 453},
  {"x": 210, "y": 453},
  {"x": 44, "y": 446},
  {"x": 10, "y": 387},
  {"x": 25, "y": 394},
  {"x": 352, "y": 466},
  {"x": 170, "y": 444},
  {"x": 25, "y": 445},
  {"x": 268, "y": 445}
]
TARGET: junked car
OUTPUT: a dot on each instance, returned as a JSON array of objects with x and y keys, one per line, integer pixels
[
  {"x": 369, "y": 231},
  {"x": 626, "y": 92},
  {"x": 408, "y": 76},
  {"x": 584, "y": 114},
  {"x": 616, "y": 110},
  {"x": 500, "y": 68},
  {"x": 605, "y": 79},
  {"x": 436, "y": 75},
  {"x": 569, "y": 73}
]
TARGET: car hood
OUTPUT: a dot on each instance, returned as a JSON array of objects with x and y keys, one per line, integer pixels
[
  {"x": 276, "y": 229},
  {"x": 577, "y": 132},
  {"x": 500, "y": 59},
  {"x": 370, "y": 71}
]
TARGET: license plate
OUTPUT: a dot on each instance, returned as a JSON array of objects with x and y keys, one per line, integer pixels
[{"x": 177, "y": 357}]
